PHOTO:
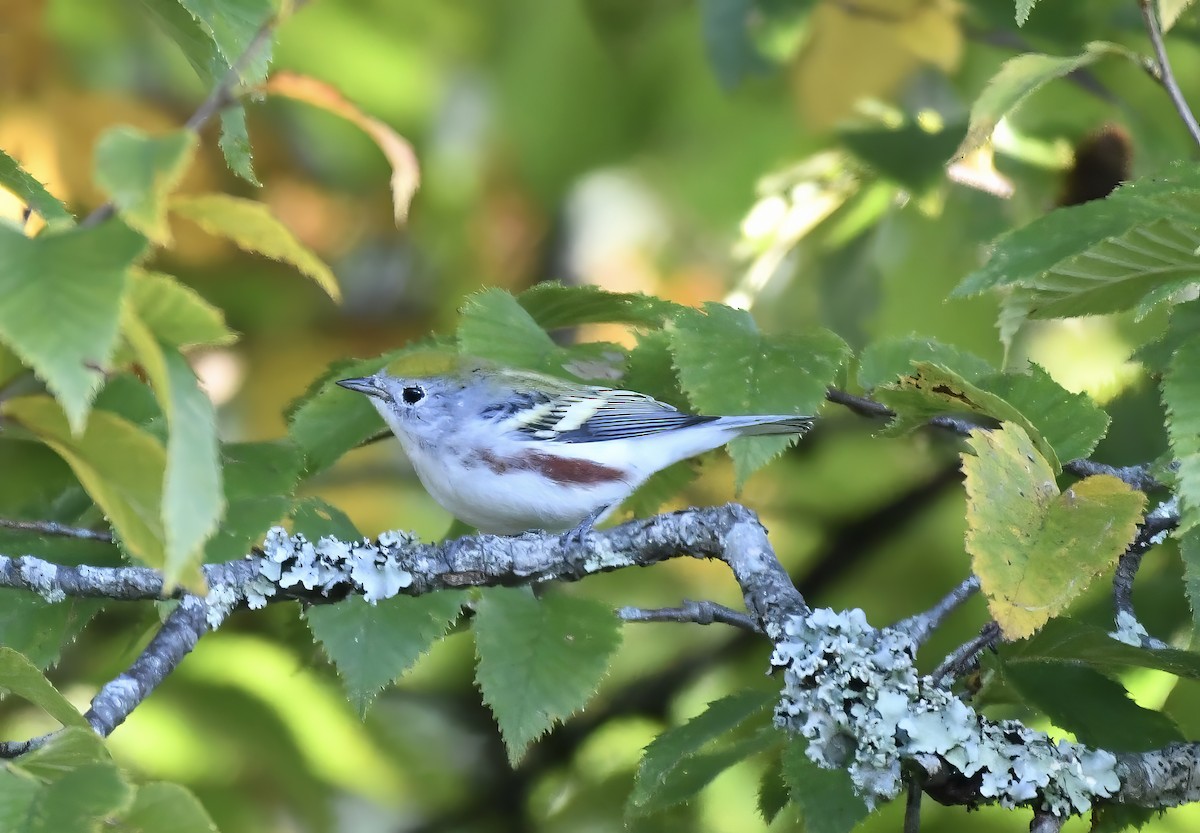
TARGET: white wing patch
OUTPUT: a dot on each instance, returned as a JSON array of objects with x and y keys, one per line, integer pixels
[
  {"x": 534, "y": 415},
  {"x": 579, "y": 413}
]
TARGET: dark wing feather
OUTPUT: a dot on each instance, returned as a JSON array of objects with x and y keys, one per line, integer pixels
[{"x": 599, "y": 414}]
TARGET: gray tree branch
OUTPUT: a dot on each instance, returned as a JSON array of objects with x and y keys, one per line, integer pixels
[
  {"x": 1161, "y": 69},
  {"x": 851, "y": 689},
  {"x": 691, "y": 612}
]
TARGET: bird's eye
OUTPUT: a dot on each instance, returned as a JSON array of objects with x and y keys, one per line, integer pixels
[{"x": 412, "y": 395}]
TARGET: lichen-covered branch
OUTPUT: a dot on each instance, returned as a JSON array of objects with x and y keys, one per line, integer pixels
[{"x": 853, "y": 690}]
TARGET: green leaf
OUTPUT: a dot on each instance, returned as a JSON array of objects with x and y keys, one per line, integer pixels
[
  {"x": 911, "y": 154},
  {"x": 192, "y": 499},
  {"x": 772, "y": 792},
  {"x": 17, "y": 795},
  {"x": 1064, "y": 639},
  {"x": 494, "y": 327},
  {"x": 1018, "y": 79},
  {"x": 731, "y": 51},
  {"x": 62, "y": 302},
  {"x": 15, "y": 179},
  {"x": 183, "y": 29},
  {"x": 672, "y": 758},
  {"x": 553, "y": 306},
  {"x": 826, "y": 797},
  {"x": 175, "y": 313},
  {"x": 1070, "y": 422},
  {"x": 1024, "y": 257},
  {"x": 133, "y": 400},
  {"x": 159, "y": 806},
  {"x": 1114, "y": 818},
  {"x": 118, "y": 463},
  {"x": 1181, "y": 397},
  {"x": 373, "y": 645},
  {"x": 888, "y": 359},
  {"x": 1137, "y": 269},
  {"x": 232, "y": 24},
  {"x": 1024, "y": 7},
  {"x": 259, "y": 481},
  {"x": 650, "y": 368},
  {"x": 540, "y": 660},
  {"x": 64, "y": 752},
  {"x": 699, "y": 770},
  {"x": 1189, "y": 551},
  {"x": 1093, "y": 706},
  {"x": 21, "y": 677},
  {"x": 252, "y": 227},
  {"x": 39, "y": 629},
  {"x": 1184, "y": 323},
  {"x": 932, "y": 390},
  {"x": 1036, "y": 549},
  {"x": 235, "y": 143},
  {"x": 315, "y": 519},
  {"x": 82, "y": 801},
  {"x": 139, "y": 172},
  {"x": 10, "y": 366},
  {"x": 753, "y": 373},
  {"x": 193, "y": 502}
]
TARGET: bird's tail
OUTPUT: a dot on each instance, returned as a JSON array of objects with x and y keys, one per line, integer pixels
[{"x": 754, "y": 426}]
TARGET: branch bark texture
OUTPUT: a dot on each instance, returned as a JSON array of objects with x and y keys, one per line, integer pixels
[{"x": 853, "y": 690}]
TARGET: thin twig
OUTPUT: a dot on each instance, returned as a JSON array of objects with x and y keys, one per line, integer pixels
[
  {"x": 698, "y": 613},
  {"x": 912, "y": 806},
  {"x": 119, "y": 697},
  {"x": 922, "y": 625},
  {"x": 1162, "y": 70},
  {"x": 1044, "y": 822},
  {"x": 861, "y": 405},
  {"x": 1139, "y": 477},
  {"x": 864, "y": 406},
  {"x": 174, "y": 641},
  {"x": 218, "y": 99},
  {"x": 53, "y": 528},
  {"x": 964, "y": 656},
  {"x": 1158, "y": 522}
]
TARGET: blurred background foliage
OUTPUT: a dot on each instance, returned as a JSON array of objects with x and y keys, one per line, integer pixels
[{"x": 781, "y": 155}]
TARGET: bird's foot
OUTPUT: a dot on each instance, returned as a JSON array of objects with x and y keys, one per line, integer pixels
[{"x": 577, "y": 538}]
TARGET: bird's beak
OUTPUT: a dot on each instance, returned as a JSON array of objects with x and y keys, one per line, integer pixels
[{"x": 366, "y": 384}]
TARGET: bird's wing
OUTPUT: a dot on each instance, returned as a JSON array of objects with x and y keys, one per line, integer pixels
[{"x": 596, "y": 414}]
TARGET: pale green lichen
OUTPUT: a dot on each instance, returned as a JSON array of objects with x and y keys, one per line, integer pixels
[{"x": 854, "y": 692}]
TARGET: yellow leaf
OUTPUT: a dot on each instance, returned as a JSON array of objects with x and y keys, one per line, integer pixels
[
  {"x": 1034, "y": 548},
  {"x": 868, "y": 50},
  {"x": 252, "y": 227},
  {"x": 406, "y": 172},
  {"x": 117, "y": 462}
]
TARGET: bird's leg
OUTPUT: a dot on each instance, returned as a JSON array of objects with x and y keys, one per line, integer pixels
[{"x": 577, "y": 537}]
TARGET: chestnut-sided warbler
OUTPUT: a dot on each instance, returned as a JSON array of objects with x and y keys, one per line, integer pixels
[{"x": 508, "y": 451}]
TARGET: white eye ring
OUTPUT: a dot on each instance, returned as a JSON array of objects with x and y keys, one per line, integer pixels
[{"x": 412, "y": 394}]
